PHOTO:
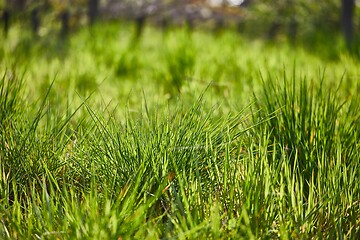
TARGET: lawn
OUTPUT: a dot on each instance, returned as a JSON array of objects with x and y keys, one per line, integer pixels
[{"x": 176, "y": 135}]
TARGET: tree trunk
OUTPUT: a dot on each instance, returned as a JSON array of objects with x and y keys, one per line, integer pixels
[
  {"x": 93, "y": 10},
  {"x": 6, "y": 19},
  {"x": 140, "y": 24},
  {"x": 65, "y": 17},
  {"x": 35, "y": 20},
  {"x": 347, "y": 20}
]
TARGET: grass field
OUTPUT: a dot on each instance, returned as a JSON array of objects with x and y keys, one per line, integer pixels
[{"x": 176, "y": 135}]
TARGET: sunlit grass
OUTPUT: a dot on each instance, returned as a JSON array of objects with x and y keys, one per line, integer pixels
[{"x": 103, "y": 138}]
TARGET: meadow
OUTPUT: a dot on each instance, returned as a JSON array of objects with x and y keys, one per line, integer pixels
[{"x": 177, "y": 135}]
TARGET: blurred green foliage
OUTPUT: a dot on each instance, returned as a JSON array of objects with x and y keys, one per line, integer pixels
[{"x": 307, "y": 16}]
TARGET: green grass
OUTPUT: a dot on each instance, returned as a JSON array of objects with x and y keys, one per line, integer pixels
[{"x": 171, "y": 138}]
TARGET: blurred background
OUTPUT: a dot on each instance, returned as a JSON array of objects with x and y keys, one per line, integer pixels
[{"x": 299, "y": 22}]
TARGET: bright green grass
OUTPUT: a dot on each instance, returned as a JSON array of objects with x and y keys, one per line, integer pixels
[{"x": 176, "y": 136}]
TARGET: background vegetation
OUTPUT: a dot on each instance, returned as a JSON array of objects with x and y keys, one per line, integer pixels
[
  {"x": 302, "y": 22},
  {"x": 176, "y": 134}
]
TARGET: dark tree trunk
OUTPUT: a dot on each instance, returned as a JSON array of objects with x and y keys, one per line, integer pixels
[
  {"x": 347, "y": 20},
  {"x": 93, "y": 10},
  {"x": 64, "y": 17},
  {"x": 6, "y": 19},
  {"x": 140, "y": 24},
  {"x": 35, "y": 20}
]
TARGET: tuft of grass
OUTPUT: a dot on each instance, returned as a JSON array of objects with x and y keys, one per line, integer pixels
[{"x": 315, "y": 125}]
